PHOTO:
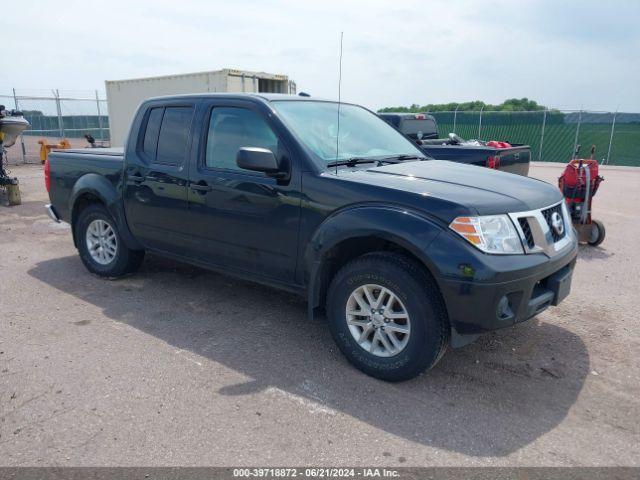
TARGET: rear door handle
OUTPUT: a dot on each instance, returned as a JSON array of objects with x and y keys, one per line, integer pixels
[
  {"x": 135, "y": 178},
  {"x": 199, "y": 187}
]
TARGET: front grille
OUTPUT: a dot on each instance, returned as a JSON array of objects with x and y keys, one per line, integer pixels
[
  {"x": 526, "y": 229},
  {"x": 547, "y": 216},
  {"x": 537, "y": 233}
]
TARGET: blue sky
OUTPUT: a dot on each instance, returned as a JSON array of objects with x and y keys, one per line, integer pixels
[{"x": 564, "y": 54}]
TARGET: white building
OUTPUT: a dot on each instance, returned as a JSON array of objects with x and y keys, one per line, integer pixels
[{"x": 124, "y": 96}]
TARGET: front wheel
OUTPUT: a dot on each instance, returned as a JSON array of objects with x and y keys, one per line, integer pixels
[
  {"x": 100, "y": 245},
  {"x": 387, "y": 317}
]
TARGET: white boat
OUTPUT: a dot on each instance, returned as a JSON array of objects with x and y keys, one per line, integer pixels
[{"x": 12, "y": 124}]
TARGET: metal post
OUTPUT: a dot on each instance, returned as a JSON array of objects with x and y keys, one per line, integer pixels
[
  {"x": 455, "y": 118},
  {"x": 544, "y": 123},
  {"x": 56, "y": 93},
  {"x": 480, "y": 122},
  {"x": 575, "y": 141},
  {"x": 613, "y": 126},
  {"x": 99, "y": 115},
  {"x": 24, "y": 152}
]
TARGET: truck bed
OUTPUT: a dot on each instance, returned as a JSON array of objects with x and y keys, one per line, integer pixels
[
  {"x": 513, "y": 160},
  {"x": 67, "y": 166},
  {"x": 422, "y": 129}
]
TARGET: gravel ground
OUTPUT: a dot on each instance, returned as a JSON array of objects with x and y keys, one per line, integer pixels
[{"x": 180, "y": 366}]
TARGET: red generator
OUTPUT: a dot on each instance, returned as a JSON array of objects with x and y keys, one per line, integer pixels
[{"x": 579, "y": 183}]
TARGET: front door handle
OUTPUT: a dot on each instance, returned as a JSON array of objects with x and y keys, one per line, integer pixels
[{"x": 201, "y": 187}]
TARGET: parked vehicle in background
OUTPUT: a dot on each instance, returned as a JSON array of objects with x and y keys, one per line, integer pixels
[
  {"x": 422, "y": 129},
  {"x": 404, "y": 255}
]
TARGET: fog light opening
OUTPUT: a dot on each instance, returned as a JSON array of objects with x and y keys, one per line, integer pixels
[{"x": 504, "y": 309}]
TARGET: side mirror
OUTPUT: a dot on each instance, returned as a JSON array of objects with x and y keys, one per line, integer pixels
[{"x": 257, "y": 159}]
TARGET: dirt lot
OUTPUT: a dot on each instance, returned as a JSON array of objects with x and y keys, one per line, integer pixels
[{"x": 180, "y": 366}]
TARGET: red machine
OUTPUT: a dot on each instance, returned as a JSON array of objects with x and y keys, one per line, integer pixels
[
  {"x": 579, "y": 183},
  {"x": 498, "y": 144}
]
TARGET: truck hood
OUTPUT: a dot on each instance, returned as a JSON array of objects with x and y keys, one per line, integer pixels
[{"x": 479, "y": 189}]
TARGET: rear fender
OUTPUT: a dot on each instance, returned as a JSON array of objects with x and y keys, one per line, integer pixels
[{"x": 101, "y": 188}]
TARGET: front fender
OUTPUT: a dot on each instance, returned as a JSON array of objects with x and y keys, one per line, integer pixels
[
  {"x": 409, "y": 229},
  {"x": 100, "y": 187}
]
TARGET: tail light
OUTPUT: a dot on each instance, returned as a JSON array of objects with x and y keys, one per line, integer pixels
[
  {"x": 493, "y": 161},
  {"x": 47, "y": 175}
]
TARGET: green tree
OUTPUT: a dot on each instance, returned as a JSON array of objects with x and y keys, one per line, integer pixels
[{"x": 509, "y": 105}]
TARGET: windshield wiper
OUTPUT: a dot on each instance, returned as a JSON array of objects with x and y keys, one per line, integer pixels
[
  {"x": 403, "y": 157},
  {"x": 350, "y": 162}
]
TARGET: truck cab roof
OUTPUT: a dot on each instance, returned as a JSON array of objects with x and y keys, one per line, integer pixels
[
  {"x": 396, "y": 117},
  {"x": 413, "y": 125},
  {"x": 268, "y": 97},
  {"x": 405, "y": 114}
]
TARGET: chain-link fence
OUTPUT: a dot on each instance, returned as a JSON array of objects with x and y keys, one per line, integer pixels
[
  {"x": 553, "y": 134},
  {"x": 54, "y": 115}
]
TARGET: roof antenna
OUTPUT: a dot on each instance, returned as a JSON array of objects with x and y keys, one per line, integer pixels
[{"x": 339, "y": 97}]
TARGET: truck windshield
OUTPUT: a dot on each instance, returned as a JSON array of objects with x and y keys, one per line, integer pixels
[{"x": 361, "y": 133}]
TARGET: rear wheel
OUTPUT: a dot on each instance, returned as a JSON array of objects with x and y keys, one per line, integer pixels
[
  {"x": 100, "y": 245},
  {"x": 387, "y": 317},
  {"x": 598, "y": 233}
]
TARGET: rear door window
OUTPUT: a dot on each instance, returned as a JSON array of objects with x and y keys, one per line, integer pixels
[
  {"x": 166, "y": 135},
  {"x": 150, "y": 142},
  {"x": 174, "y": 136}
]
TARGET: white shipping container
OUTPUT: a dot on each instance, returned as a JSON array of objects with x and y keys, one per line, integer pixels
[{"x": 124, "y": 96}]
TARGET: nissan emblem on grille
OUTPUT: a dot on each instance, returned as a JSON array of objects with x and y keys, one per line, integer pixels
[{"x": 557, "y": 223}]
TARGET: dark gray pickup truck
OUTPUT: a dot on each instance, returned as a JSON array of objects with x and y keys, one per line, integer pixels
[
  {"x": 404, "y": 255},
  {"x": 422, "y": 129}
]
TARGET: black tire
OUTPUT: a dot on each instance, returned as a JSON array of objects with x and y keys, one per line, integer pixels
[
  {"x": 125, "y": 260},
  {"x": 598, "y": 233},
  {"x": 414, "y": 286}
]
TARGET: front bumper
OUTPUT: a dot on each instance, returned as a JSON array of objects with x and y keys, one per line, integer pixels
[{"x": 525, "y": 287}]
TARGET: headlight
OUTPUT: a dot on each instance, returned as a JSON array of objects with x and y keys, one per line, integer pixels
[{"x": 491, "y": 233}]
